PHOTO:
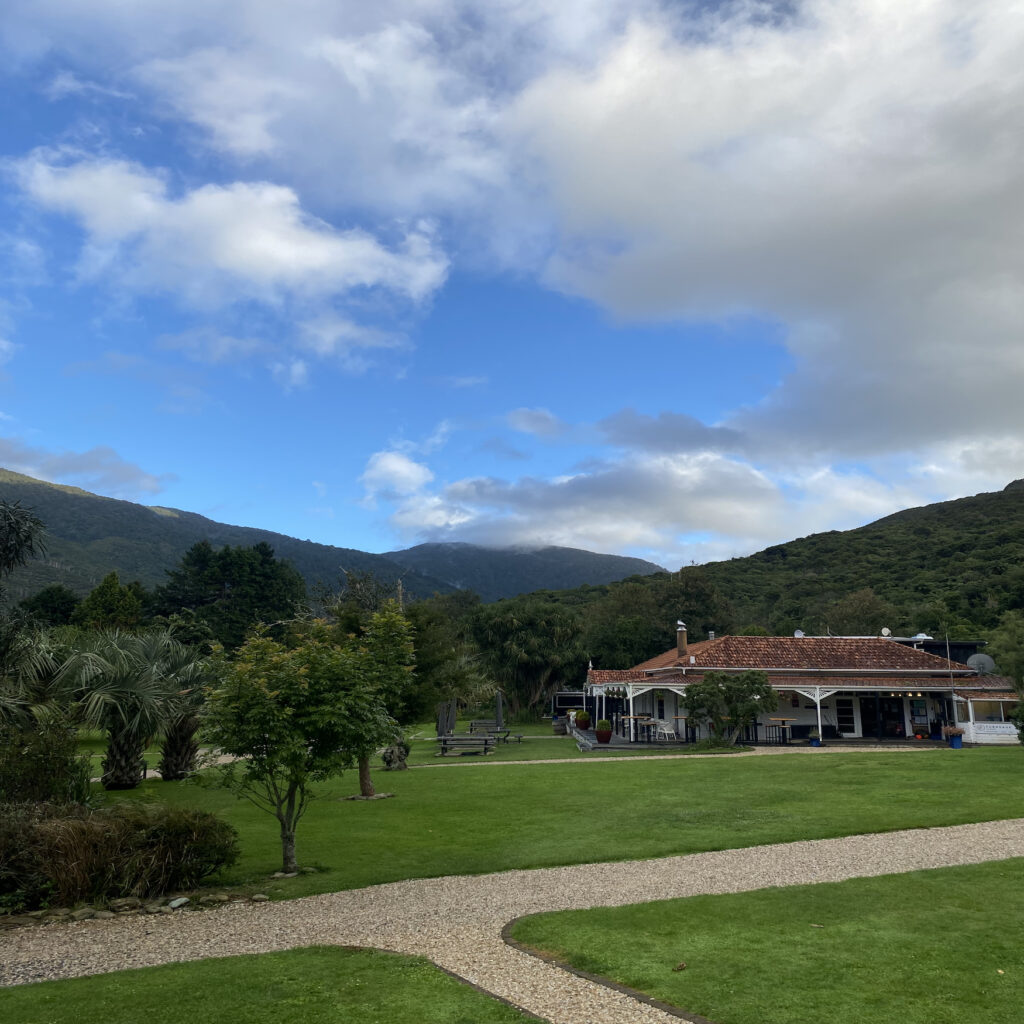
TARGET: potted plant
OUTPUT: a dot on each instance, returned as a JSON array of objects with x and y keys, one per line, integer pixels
[
  {"x": 814, "y": 738},
  {"x": 583, "y": 719},
  {"x": 603, "y": 731},
  {"x": 954, "y": 735}
]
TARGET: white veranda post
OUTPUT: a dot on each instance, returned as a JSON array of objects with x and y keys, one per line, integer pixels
[
  {"x": 632, "y": 720},
  {"x": 817, "y": 694}
]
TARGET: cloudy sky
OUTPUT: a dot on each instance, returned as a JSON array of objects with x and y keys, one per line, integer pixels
[{"x": 667, "y": 279}]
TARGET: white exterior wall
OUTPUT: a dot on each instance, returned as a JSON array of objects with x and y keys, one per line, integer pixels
[{"x": 988, "y": 733}]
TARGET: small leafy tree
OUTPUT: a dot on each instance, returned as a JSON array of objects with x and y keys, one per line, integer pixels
[
  {"x": 294, "y": 716},
  {"x": 728, "y": 703},
  {"x": 110, "y": 605}
]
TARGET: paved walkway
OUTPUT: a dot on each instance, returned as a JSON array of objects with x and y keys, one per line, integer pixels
[{"x": 457, "y": 921}]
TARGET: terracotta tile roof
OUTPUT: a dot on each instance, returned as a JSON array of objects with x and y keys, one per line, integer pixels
[
  {"x": 616, "y": 675},
  {"x": 811, "y": 652},
  {"x": 988, "y": 694},
  {"x": 993, "y": 687}
]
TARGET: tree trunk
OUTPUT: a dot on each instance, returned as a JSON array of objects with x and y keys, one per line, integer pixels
[
  {"x": 124, "y": 766},
  {"x": 179, "y": 749},
  {"x": 365, "y": 782},
  {"x": 288, "y": 861}
]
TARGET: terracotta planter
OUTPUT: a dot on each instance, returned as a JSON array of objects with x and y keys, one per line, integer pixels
[{"x": 603, "y": 735}]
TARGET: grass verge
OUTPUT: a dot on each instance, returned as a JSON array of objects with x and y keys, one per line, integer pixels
[
  {"x": 319, "y": 985},
  {"x": 928, "y": 947},
  {"x": 525, "y": 816}
]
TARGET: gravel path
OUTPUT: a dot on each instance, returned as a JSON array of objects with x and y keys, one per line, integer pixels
[
  {"x": 457, "y": 921},
  {"x": 476, "y": 761}
]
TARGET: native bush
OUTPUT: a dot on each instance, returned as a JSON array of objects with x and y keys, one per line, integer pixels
[
  {"x": 41, "y": 762},
  {"x": 51, "y": 853}
]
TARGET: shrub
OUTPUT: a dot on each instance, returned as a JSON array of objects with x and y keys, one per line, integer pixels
[
  {"x": 42, "y": 763},
  {"x": 603, "y": 725},
  {"x": 583, "y": 719},
  {"x": 70, "y": 853}
]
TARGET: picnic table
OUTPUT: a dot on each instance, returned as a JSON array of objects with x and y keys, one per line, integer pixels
[{"x": 476, "y": 744}]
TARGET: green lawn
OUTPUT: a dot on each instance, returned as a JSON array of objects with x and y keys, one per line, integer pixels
[
  {"x": 930, "y": 947},
  {"x": 320, "y": 985},
  {"x": 471, "y": 820}
]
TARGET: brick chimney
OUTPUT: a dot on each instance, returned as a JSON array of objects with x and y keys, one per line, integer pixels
[{"x": 681, "y": 639}]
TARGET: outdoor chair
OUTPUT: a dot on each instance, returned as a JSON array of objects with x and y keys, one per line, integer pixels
[{"x": 664, "y": 730}]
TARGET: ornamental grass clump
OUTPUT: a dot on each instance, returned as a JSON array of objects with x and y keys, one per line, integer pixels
[{"x": 63, "y": 854}]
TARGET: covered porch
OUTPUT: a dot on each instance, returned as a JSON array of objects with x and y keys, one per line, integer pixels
[{"x": 652, "y": 712}]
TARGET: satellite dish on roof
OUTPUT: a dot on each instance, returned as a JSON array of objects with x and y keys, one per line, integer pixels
[
  {"x": 982, "y": 664},
  {"x": 799, "y": 634},
  {"x": 886, "y": 631}
]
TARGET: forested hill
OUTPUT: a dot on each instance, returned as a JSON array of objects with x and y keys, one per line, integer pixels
[
  {"x": 494, "y": 573},
  {"x": 89, "y": 535},
  {"x": 954, "y": 565}
]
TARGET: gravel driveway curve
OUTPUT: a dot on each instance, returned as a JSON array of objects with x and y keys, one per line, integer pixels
[{"x": 456, "y": 921}]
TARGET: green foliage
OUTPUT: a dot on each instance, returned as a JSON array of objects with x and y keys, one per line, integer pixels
[
  {"x": 1017, "y": 717},
  {"x": 531, "y": 647},
  {"x": 231, "y": 589},
  {"x": 448, "y": 662},
  {"x": 1007, "y": 646},
  {"x": 52, "y": 606},
  {"x": 603, "y": 725},
  {"x": 296, "y": 715},
  {"x": 40, "y": 762},
  {"x": 21, "y": 536},
  {"x": 132, "y": 686},
  {"x": 68, "y": 853},
  {"x": 729, "y": 702},
  {"x": 111, "y": 606}
]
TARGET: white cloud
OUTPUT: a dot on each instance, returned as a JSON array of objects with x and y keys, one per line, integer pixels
[
  {"x": 98, "y": 469},
  {"x": 539, "y": 422},
  {"x": 390, "y": 474},
  {"x": 222, "y": 243},
  {"x": 65, "y": 83},
  {"x": 848, "y": 171},
  {"x": 7, "y": 350}
]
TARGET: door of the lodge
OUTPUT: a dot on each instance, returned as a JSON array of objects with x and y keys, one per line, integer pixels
[{"x": 882, "y": 717}]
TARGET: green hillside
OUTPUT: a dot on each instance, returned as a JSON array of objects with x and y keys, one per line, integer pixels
[
  {"x": 89, "y": 535},
  {"x": 955, "y": 566},
  {"x": 489, "y": 571}
]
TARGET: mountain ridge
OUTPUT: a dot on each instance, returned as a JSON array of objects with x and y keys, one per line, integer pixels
[{"x": 89, "y": 535}]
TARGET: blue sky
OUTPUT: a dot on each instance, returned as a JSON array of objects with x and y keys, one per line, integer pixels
[{"x": 670, "y": 280}]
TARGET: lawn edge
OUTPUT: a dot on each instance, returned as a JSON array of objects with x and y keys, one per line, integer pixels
[{"x": 597, "y": 979}]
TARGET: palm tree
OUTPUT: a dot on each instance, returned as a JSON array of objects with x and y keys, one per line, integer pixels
[
  {"x": 125, "y": 685},
  {"x": 188, "y": 671}
]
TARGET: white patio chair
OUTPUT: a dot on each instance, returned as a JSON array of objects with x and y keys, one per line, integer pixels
[{"x": 664, "y": 730}]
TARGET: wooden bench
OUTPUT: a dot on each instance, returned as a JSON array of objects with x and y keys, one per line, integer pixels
[
  {"x": 481, "y": 744},
  {"x": 483, "y": 725}
]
